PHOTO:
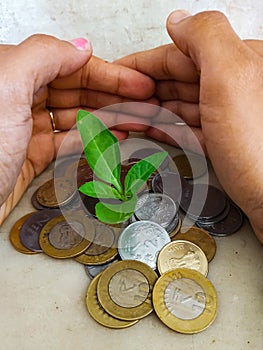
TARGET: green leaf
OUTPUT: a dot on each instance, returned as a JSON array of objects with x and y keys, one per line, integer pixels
[
  {"x": 141, "y": 171},
  {"x": 98, "y": 189},
  {"x": 101, "y": 148},
  {"x": 116, "y": 213}
]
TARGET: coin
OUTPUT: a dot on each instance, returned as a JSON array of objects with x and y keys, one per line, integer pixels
[
  {"x": 142, "y": 241},
  {"x": 124, "y": 289},
  {"x": 199, "y": 237},
  {"x": 203, "y": 201},
  {"x": 56, "y": 192},
  {"x": 98, "y": 313},
  {"x": 190, "y": 166},
  {"x": 176, "y": 229},
  {"x": 80, "y": 172},
  {"x": 185, "y": 300},
  {"x": 61, "y": 238},
  {"x": 103, "y": 249},
  {"x": 170, "y": 184},
  {"x": 156, "y": 207},
  {"x": 93, "y": 270},
  {"x": 182, "y": 254},
  {"x": 31, "y": 228},
  {"x": 215, "y": 219},
  {"x": 35, "y": 202},
  {"x": 146, "y": 152},
  {"x": 227, "y": 226},
  {"x": 14, "y": 236}
]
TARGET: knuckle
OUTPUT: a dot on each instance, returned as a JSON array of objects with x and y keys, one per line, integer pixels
[
  {"x": 213, "y": 19},
  {"x": 42, "y": 40}
]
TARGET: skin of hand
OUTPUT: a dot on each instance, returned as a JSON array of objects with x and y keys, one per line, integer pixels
[
  {"x": 42, "y": 74},
  {"x": 214, "y": 81}
]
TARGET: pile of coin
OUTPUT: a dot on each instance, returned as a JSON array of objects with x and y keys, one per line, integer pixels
[
  {"x": 151, "y": 262},
  {"x": 158, "y": 274}
]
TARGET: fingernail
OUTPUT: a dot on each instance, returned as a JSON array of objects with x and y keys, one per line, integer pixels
[
  {"x": 177, "y": 16},
  {"x": 81, "y": 44}
]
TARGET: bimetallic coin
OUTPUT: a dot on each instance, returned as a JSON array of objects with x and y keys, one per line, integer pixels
[
  {"x": 14, "y": 236},
  {"x": 202, "y": 201},
  {"x": 61, "y": 238},
  {"x": 104, "y": 247},
  {"x": 182, "y": 254},
  {"x": 98, "y": 313},
  {"x": 93, "y": 270},
  {"x": 142, "y": 241},
  {"x": 156, "y": 207},
  {"x": 31, "y": 228},
  {"x": 199, "y": 237},
  {"x": 124, "y": 289},
  {"x": 185, "y": 301},
  {"x": 190, "y": 166},
  {"x": 231, "y": 224},
  {"x": 56, "y": 192}
]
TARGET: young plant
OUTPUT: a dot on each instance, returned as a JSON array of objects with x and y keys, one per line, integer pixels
[{"x": 102, "y": 152}]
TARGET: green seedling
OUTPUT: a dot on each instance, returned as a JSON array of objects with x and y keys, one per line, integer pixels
[{"x": 102, "y": 152}]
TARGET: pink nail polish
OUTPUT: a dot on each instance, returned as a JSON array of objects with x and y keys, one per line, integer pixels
[{"x": 81, "y": 44}]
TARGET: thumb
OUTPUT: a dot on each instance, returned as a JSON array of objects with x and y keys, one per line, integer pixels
[
  {"x": 41, "y": 58},
  {"x": 207, "y": 37}
]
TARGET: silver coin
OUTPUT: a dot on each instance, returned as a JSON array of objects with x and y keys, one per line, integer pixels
[
  {"x": 66, "y": 235},
  {"x": 136, "y": 286},
  {"x": 142, "y": 241},
  {"x": 184, "y": 298},
  {"x": 156, "y": 207}
]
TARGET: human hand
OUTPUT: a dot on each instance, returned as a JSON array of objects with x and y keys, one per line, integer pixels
[
  {"x": 28, "y": 143},
  {"x": 224, "y": 109}
]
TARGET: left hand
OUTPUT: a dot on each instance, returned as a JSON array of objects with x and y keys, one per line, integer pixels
[{"x": 28, "y": 143}]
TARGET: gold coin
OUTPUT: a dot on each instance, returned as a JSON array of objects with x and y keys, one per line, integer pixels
[
  {"x": 199, "y": 237},
  {"x": 185, "y": 300},
  {"x": 98, "y": 313},
  {"x": 68, "y": 237},
  {"x": 190, "y": 166},
  {"x": 125, "y": 290},
  {"x": 56, "y": 192},
  {"x": 103, "y": 249},
  {"x": 176, "y": 229},
  {"x": 182, "y": 254},
  {"x": 14, "y": 236}
]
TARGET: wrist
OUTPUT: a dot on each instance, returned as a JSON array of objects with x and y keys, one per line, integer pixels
[{"x": 24, "y": 179}]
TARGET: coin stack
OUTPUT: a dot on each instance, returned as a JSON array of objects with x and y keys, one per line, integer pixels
[{"x": 152, "y": 263}]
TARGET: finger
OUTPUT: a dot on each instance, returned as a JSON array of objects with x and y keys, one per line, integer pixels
[
  {"x": 164, "y": 62},
  {"x": 108, "y": 77},
  {"x": 65, "y": 119},
  {"x": 4, "y": 48},
  {"x": 41, "y": 58},
  {"x": 189, "y": 112},
  {"x": 179, "y": 136},
  {"x": 69, "y": 142},
  {"x": 95, "y": 99},
  {"x": 176, "y": 90},
  {"x": 191, "y": 36},
  {"x": 256, "y": 45}
]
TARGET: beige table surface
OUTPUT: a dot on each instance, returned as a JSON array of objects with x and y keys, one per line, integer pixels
[{"x": 42, "y": 300}]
